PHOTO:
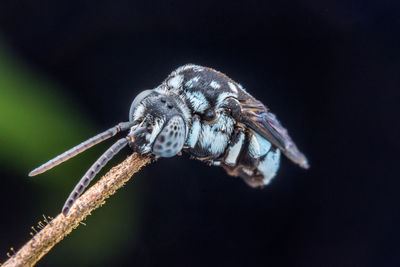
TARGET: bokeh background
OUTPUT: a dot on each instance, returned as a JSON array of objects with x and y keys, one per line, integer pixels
[{"x": 328, "y": 69}]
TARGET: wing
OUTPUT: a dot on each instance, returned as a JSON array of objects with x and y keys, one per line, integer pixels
[{"x": 256, "y": 116}]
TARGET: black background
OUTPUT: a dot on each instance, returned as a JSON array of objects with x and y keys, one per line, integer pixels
[{"x": 328, "y": 69}]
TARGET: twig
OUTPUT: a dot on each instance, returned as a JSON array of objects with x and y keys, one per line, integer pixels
[{"x": 43, "y": 241}]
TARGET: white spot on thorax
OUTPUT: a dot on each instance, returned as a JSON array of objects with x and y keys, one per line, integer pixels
[
  {"x": 197, "y": 68},
  {"x": 192, "y": 81},
  {"x": 215, "y": 85},
  {"x": 198, "y": 101},
  {"x": 193, "y": 67},
  {"x": 233, "y": 87},
  {"x": 175, "y": 82}
]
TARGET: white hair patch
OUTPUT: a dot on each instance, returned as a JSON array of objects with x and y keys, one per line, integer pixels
[
  {"x": 215, "y": 85},
  {"x": 192, "y": 81},
  {"x": 175, "y": 82},
  {"x": 198, "y": 101},
  {"x": 213, "y": 139},
  {"x": 193, "y": 67},
  {"x": 233, "y": 87},
  {"x": 254, "y": 148},
  {"x": 197, "y": 68},
  {"x": 138, "y": 112}
]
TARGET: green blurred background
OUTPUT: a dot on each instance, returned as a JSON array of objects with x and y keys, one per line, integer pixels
[
  {"x": 38, "y": 121},
  {"x": 328, "y": 69}
]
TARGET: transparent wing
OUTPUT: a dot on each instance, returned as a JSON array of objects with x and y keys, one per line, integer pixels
[{"x": 257, "y": 117}]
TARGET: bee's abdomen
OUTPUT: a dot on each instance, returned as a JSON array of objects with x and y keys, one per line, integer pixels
[{"x": 252, "y": 158}]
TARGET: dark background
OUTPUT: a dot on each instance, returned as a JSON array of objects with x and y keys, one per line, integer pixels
[{"x": 328, "y": 69}]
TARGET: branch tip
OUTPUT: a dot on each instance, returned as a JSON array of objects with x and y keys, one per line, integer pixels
[{"x": 59, "y": 227}]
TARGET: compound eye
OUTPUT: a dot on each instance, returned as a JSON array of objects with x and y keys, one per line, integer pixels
[{"x": 171, "y": 139}]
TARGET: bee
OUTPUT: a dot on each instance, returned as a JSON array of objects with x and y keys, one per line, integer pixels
[{"x": 204, "y": 113}]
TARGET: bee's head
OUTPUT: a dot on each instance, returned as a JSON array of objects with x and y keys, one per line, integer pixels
[{"x": 160, "y": 128}]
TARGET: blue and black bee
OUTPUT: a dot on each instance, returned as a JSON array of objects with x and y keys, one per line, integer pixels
[{"x": 205, "y": 113}]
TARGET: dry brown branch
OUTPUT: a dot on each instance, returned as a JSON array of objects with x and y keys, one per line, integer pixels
[{"x": 94, "y": 197}]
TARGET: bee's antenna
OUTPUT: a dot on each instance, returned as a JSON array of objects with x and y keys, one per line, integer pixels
[
  {"x": 94, "y": 169},
  {"x": 82, "y": 147}
]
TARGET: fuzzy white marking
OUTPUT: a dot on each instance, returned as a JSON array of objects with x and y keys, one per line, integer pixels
[
  {"x": 233, "y": 87},
  {"x": 163, "y": 89},
  {"x": 198, "y": 101},
  {"x": 215, "y": 85},
  {"x": 216, "y": 163},
  {"x": 234, "y": 151},
  {"x": 138, "y": 113},
  {"x": 223, "y": 96},
  {"x": 211, "y": 137},
  {"x": 197, "y": 68},
  {"x": 192, "y": 81},
  {"x": 254, "y": 148},
  {"x": 213, "y": 142},
  {"x": 175, "y": 82},
  {"x": 194, "y": 133},
  {"x": 188, "y": 67},
  {"x": 183, "y": 68},
  {"x": 264, "y": 145},
  {"x": 270, "y": 165}
]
